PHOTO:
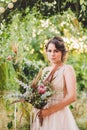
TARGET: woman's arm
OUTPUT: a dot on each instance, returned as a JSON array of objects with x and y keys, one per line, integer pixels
[{"x": 70, "y": 81}]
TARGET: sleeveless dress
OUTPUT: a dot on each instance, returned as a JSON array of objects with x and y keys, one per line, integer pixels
[{"x": 63, "y": 119}]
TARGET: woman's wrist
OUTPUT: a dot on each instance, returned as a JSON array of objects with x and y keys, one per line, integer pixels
[{"x": 48, "y": 111}]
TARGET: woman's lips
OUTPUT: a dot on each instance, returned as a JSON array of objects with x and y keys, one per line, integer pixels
[{"x": 52, "y": 58}]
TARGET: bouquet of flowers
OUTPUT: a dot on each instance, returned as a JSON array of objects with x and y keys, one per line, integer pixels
[{"x": 38, "y": 92}]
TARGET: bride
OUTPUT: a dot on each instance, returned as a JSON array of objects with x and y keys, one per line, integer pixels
[{"x": 56, "y": 114}]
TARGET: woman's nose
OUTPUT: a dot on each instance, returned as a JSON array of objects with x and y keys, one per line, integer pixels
[{"x": 52, "y": 53}]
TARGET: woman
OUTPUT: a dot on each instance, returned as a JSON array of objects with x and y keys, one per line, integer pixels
[{"x": 56, "y": 114}]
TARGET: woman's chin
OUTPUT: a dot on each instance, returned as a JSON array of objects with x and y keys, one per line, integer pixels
[{"x": 53, "y": 62}]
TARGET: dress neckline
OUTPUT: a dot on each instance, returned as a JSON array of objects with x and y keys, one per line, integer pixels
[{"x": 60, "y": 67}]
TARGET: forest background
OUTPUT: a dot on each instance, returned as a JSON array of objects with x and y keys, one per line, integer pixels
[{"x": 25, "y": 26}]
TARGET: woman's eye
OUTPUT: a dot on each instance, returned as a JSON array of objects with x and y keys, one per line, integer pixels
[
  {"x": 56, "y": 50},
  {"x": 49, "y": 50}
]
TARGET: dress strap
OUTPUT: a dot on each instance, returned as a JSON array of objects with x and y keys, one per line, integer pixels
[{"x": 50, "y": 76}]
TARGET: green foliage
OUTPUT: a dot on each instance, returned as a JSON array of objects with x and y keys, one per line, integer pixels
[
  {"x": 22, "y": 48},
  {"x": 9, "y": 125},
  {"x": 80, "y": 9},
  {"x": 24, "y": 38},
  {"x": 46, "y": 8},
  {"x": 3, "y": 75},
  {"x": 28, "y": 71},
  {"x": 79, "y": 63}
]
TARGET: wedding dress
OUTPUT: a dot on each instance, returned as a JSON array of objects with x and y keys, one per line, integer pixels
[{"x": 63, "y": 119}]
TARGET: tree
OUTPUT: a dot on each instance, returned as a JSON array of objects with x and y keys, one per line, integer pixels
[{"x": 46, "y": 8}]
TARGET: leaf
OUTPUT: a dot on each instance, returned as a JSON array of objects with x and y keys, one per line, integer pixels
[
  {"x": 71, "y": 106},
  {"x": 83, "y": 8},
  {"x": 81, "y": 2},
  {"x": 9, "y": 125}
]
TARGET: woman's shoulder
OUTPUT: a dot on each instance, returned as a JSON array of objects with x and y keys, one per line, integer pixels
[
  {"x": 68, "y": 67},
  {"x": 69, "y": 72}
]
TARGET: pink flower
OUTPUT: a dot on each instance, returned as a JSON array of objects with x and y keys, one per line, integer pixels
[
  {"x": 41, "y": 89},
  {"x": 9, "y": 57}
]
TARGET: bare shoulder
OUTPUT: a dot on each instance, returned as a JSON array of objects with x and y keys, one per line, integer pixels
[{"x": 69, "y": 69}]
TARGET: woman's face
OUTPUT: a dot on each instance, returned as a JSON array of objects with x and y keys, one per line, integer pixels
[{"x": 54, "y": 55}]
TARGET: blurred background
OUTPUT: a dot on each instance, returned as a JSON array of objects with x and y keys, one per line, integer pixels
[{"x": 25, "y": 27}]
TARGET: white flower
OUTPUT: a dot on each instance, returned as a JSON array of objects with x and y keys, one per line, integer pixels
[
  {"x": 14, "y": 1},
  {"x": 45, "y": 95},
  {"x": 45, "y": 23},
  {"x": 39, "y": 31},
  {"x": 10, "y": 5},
  {"x": 46, "y": 41},
  {"x": 22, "y": 84},
  {"x": 54, "y": 3},
  {"x": 62, "y": 24},
  {"x": 32, "y": 51},
  {"x": 2, "y": 9}
]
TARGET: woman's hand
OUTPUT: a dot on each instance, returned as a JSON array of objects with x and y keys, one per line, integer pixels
[
  {"x": 44, "y": 112},
  {"x": 41, "y": 114}
]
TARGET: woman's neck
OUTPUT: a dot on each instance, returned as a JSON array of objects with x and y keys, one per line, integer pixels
[{"x": 57, "y": 64}]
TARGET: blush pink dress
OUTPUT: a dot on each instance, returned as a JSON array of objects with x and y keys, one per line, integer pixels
[{"x": 63, "y": 119}]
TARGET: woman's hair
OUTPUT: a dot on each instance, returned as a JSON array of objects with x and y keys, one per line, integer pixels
[{"x": 59, "y": 44}]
